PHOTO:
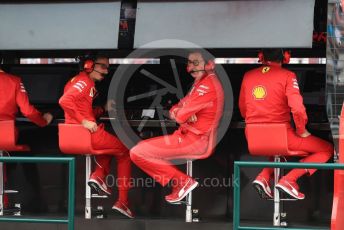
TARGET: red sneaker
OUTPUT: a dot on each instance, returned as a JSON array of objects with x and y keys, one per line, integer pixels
[
  {"x": 98, "y": 184},
  {"x": 291, "y": 188},
  {"x": 175, "y": 189},
  {"x": 184, "y": 190},
  {"x": 123, "y": 208},
  {"x": 263, "y": 188}
]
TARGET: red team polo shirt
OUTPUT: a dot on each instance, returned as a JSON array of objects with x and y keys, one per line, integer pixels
[
  {"x": 269, "y": 94},
  {"x": 14, "y": 95},
  {"x": 205, "y": 99},
  {"x": 77, "y": 100}
]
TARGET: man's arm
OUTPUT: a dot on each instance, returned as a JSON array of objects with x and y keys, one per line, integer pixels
[
  {"x": 68, "y": 100},
  {"x": 295, "y": 102},
  {"x": 174, "y": 108},
  {"x": 70, "y": 97},
  {"x": 200, "y": 98},
  {"x": 28, "y": 110},
  {"x": 242, "y": 100}
]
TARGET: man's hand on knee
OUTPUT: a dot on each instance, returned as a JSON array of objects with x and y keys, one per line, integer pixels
[
  {"x": 90, "y": 125},
  {"x": 305, "y": 133}
]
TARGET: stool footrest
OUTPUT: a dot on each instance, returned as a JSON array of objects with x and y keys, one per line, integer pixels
[
  {"x": 289, "y": 199},
  {"x": 99, "y": 196},
  {"x": 13, "y": 210},
  {"x": 99, "y": 212},
  {"x": 285, "y": 199},
  {"x": 9, "y": 191}
]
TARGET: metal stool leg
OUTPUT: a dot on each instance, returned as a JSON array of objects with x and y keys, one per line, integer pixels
[
  {"x": 277, "y": 213},
  {"x": 88, "y": 210},
  {"x": 188, "y": 214},
  {"x": 1, "y": 186}
]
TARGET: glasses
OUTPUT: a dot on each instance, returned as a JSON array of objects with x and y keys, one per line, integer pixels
[
  {"x": 194, "y": 62},
  {"x": 102, "y": 65}
]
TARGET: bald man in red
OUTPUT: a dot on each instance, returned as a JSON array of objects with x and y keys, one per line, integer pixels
[
  {"x": 197, "y": 114},
  {"x": 269, "y": 94}
]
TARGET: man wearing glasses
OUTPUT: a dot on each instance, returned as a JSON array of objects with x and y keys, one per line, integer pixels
[
  {"x": 197, "y": 114},
  {"x": 77, "y": 102}
]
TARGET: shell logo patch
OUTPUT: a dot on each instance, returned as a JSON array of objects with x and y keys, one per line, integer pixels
[
  {"x": 259, "y": 92},
  {"x": 265, "y": 69}
]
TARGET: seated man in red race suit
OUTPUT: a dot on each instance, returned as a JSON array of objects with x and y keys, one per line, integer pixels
[
  {"x": 281, "y": 97},
  {"x": 197, "y": 114},
  {"x": 13, "y": 96},
  {"x": 77, "y": 103}
]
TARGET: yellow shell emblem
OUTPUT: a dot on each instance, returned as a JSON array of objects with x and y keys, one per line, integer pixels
[
  {"x": 259, "y": 92},
  {"x": 265, "y": 69}
]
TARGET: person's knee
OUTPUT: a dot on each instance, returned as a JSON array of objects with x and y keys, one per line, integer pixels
[
  {"x": 330, "y": 150},
  {"x": 135, "y": 152},
  {"x": 328, "y": 154}
]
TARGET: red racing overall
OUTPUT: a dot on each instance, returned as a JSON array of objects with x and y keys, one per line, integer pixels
[
  {"x": 77, "y": 102},
  {"x": 205, "y": 100},
  {"x": 12, "y": 96},
  {"x": 268, "y": 95}
]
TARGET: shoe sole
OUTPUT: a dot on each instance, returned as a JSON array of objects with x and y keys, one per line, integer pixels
[
  {"x": 122, "y": 212},
  {"x": 283, "y": 189},
  {"x": 261, "y": 191},
  {"x": 177, "y": 202},
  {"x": 97, "y": 188},
  {"x": 185, "y": 194}
]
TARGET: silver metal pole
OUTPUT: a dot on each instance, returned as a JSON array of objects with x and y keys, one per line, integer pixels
[
  {"x": 188, "y": 214},
  {"x": 88, "y": 208},
  {"x": 277, "y": 214}
]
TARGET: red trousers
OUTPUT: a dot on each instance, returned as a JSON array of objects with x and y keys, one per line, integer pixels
[
  {"x": 320, "y": 151},
  {"x": 101, "y": 139},
  {"x": 154, "y": 155}
]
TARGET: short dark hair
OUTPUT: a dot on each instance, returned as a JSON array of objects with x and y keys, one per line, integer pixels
[
  {"x": 94, "y": 56},
  {"x": 273, "y": 54}
]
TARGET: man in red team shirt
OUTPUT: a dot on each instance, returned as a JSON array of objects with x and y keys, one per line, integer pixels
[
  {"x": 12, "y": 96},
  {"x": 77, "y": 103},
  {"x": 197, "y": 114},
  {"x": 268, "y": 95}
]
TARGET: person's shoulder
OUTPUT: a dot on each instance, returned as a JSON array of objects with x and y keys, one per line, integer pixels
[
  {"x": 286, "y": 72},
  {"x": 210, "y": 80},
  {"x": 257, "y": 69},
  {"x": 10, "y": 78},
  {"x": 82, "y": 79},
  {"x": 253, "y": 72},
  {"x": 283, "y": 69}
]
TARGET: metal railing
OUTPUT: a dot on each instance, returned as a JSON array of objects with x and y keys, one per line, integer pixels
[
  {"x": 255, "y": 164},
  {"x": 71, "y": 189}
]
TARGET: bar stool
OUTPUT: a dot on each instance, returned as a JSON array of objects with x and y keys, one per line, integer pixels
[
  {"x": 262, "y": 143},
  {"x": 209, "y": 151},
  {"x": 75, "y": 139},
  {"x": 8, "y": 143}
]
